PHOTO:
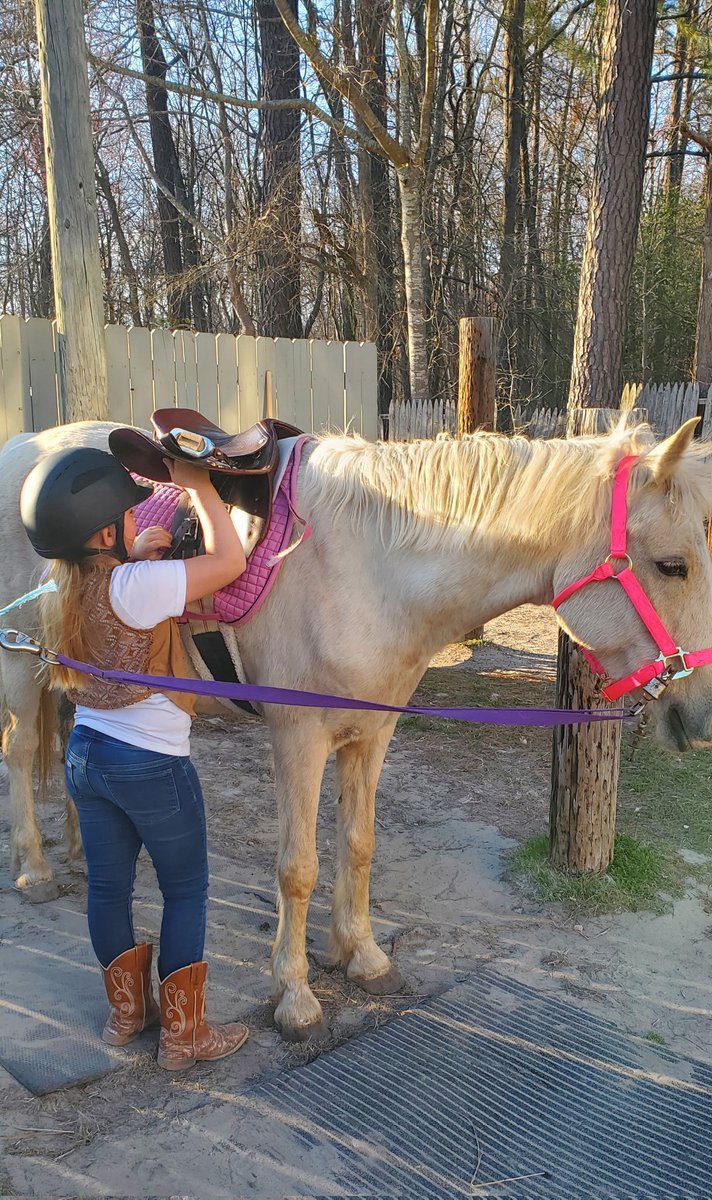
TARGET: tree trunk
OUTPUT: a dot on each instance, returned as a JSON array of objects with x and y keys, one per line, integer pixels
[
  {"x": 279, "y": 257},
  {"x": 476, "y": 375},
  {"x": 71, "y": 197},
  {"x": 124, "y": 251},
  {"x": 372, "y": 19},
  {"x": 510, "y": 259},
  {"x": 614, "y": 207},
  {"x": 165, "y": 159},
  {"x": 409, "y": 185},
  {"x": 702, "y": 370},
  {"x": 237, "y": 296},
  {"x": 585, "y": 758},
  {"x": 678, "y": 110}
]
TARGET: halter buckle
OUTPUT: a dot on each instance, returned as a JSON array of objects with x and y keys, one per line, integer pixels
[{"x": 675, "y": 665}]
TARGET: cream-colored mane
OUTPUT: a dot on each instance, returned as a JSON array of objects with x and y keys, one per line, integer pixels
[{"x": 415, "y": 493}]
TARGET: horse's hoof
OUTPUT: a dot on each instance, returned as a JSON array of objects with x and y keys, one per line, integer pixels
[
  {"x": 316, "y": 1034},
  {"x": 387, "y": 984},
  {"x": 78, "y": 866},
  {"x": 38, "y": 893}
]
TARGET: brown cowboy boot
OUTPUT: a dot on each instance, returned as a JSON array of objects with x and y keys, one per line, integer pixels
[
  {"x": 128, "y": 988},
  {"x": 186, "y": 1037}
]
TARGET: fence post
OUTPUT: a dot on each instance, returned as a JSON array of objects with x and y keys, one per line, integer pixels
[
  {"x": 476, "y": 375},
  {"x": 476, "y": 388},
  {"x": 584, "y": 767},
  {"x": 72, "y": 207}
]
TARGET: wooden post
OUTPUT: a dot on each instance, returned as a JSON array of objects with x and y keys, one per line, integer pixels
[
  {"x": 476, "y": 388},
  {"x": 71, "y": 197},
  {"x": 476, "y": 375},
  {"x": 584, "y": 769},
  {"x": 269, "y": 396},
  {"x": 584, "y": 773}
]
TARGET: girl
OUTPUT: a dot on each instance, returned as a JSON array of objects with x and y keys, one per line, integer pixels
[{"x": 128, "y": 768}]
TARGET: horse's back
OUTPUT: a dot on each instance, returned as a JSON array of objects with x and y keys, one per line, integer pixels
[{"x": 21, "y": 566}]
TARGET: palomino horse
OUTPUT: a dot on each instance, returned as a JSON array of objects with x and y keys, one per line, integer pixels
[{"x": 412, "y": 546}]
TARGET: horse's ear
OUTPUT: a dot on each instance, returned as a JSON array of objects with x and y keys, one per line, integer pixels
[{"x": 663, "y": 459}]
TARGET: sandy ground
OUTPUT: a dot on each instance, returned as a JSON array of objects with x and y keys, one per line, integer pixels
[{"x": 440, "y": 903}]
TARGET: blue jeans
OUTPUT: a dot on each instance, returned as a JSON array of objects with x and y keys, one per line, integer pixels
[{"x": 127, "y": 797}]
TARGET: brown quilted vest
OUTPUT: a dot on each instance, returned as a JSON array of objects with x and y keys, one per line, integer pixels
[{"x": 114, "y": 646}]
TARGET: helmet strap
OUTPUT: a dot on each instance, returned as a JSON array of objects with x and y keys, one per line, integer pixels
[{"x": 119, "y": 548}]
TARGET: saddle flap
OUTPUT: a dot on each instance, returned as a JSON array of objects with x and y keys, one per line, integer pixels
[{"x": 139, "y": 453}]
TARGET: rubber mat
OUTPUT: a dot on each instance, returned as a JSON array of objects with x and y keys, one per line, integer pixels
[
  {"x": 495, "y": 1089},
  {"x": 52, "y": 1008}
]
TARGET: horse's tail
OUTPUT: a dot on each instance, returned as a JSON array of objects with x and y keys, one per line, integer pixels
[{"x": 47, "y": 729}]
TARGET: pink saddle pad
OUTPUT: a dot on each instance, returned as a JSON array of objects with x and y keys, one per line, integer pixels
[{"x": 237, "y": 602}]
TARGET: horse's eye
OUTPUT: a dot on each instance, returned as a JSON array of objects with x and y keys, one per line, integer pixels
[{"x": 673, "y": 567}]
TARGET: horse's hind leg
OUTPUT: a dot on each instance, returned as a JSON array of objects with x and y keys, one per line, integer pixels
[
  {"x": 359, "y": 766},
  {"x": 300, "y": 755},
  {"x": 20, "y": 744}
]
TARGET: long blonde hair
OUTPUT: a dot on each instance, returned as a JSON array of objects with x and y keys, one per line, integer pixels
[{"x": 64, "y": 623}]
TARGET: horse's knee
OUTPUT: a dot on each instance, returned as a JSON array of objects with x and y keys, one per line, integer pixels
[
  {"x": 297, "y": 876},
  {"x": 359, "y": 848},
  {"x": 19, "y": 746}
]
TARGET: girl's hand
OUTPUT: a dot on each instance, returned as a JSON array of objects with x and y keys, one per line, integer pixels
[
  {"x": 151, "y": 544},
  {"x": 186, "y": 475}
]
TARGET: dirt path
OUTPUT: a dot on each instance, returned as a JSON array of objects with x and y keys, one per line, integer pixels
[{"x": 449, "y": 808}]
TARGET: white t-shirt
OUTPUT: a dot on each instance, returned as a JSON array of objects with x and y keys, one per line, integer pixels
[{"x": 143, "y": 594}]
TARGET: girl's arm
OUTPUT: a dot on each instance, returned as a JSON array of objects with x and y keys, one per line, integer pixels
[{"x": 224, "y": 558}]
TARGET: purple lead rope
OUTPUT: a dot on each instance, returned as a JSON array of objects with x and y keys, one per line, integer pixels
[{"x": 258, "y": 694}]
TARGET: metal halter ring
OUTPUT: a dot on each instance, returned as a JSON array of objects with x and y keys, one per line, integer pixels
[{"x": 620, "y": 558}]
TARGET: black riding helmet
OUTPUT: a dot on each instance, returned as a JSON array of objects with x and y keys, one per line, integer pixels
[{"x": 72, "y": 494}]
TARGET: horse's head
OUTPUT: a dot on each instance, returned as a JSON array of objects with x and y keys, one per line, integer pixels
[{"x": 668, "y": 496}]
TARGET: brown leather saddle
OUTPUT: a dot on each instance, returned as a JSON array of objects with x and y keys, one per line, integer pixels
[{"x": 242, "y": 466}]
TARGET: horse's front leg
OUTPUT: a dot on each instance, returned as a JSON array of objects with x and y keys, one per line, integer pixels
[
  {"x": 359, "y": 766},
  {"x": 299, "y": 758}
]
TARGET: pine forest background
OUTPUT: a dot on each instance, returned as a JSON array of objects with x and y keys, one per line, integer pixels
[{"x": 239, "y": 191}]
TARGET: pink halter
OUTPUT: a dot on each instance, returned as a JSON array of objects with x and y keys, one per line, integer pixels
[{"x": 673, "y": 663}]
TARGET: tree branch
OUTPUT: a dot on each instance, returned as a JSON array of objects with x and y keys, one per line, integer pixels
[
  {"x": 386, "y": 146},
  {"x": 698, "y": 138},
  {"x": 426, "y": 108},
  {"x": 183, "y": 89},
  {"x": 239, "y": 303}
]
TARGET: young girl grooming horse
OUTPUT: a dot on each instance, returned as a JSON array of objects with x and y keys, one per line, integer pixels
[{"x": 128, "y": 767}]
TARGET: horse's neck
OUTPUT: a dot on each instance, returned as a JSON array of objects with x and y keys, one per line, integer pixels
[
  {"x": 433, "y": 578},
  {"x": 453, "y": 591}
]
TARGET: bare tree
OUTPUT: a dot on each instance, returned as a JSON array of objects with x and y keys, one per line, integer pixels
[
  {"x": 407, "y": 154},
  {"x": 281, "y": 176}
]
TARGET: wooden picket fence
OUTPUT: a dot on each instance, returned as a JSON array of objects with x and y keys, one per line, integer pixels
[
  {"x": 420, "y": 420},
  {"x": 668, "y": 405},
  {"x": 539, "y": 422},
  {"x": 664, "y": 405},
  {"x": 315, "y": 384}
]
